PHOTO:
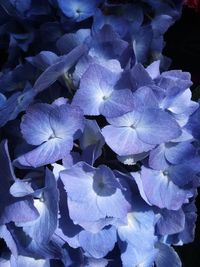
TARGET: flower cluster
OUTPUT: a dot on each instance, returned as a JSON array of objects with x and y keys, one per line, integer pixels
[{"x": 104, "y": 145}]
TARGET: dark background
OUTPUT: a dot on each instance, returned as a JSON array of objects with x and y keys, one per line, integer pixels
[{"x": 183, "y": 47}]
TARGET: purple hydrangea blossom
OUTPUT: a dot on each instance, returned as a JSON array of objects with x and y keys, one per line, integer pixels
[
  {"x": 52, "y": 129},
  {"x": 99, "y": 151}
]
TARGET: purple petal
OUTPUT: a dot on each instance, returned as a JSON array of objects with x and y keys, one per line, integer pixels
[
  {"x": 160, "y": 190},
  {"x": 96, "y": 84},
  {"x": 156, "y": 127},
  {"x": 53, "y": 72},
  {"x": 92, "y": 243},
  {"x": 124, "y": 140}
]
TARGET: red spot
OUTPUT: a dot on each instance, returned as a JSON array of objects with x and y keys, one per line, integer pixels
[{"x": 193, "y": 4}]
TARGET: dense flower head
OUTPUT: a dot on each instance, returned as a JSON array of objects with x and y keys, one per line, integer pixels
[{"x": 99, "y": 149}]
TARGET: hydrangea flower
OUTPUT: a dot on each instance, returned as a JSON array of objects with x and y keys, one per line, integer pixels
[
  {"x": 89, "y": 190},
  {"x": 103, "y": 139},
  {"x": 52, "y": 129},
  {"x": 140, "y": 130},
  {"x": 97, "y": 94}
]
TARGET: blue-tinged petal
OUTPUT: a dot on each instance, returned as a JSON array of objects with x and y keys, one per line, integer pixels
[
  {"x": 21, "y": 6},
  {"x": 69, "y": 41},
  {"x": 89, "y": 191},
  {"x": 21, "y": 188},
  {"x": 15, "y": 104},
  {"x": 147, "y": 97},
  {"x": 60, "y": 101},
  {"x": 78, "y": 181},
  {"x": 16, "y": 79},
  {"x": 140, "y": 77},
  {"x": 185, "y": 136},
  {"x": 12, "y": 209},
  {"x": 133, "y": 12},
  {"x": 78, "y": 10},
  {"x": 173, "y": 9},
  {"x": 91, "y": 153},
  {"x": 10, "y": 242},
  {"x": 161, "y": 23},
  {"x": 18, "y": 211},
  {"x": 74, "y": 235},
  {"x": 26, "y": 10},
  {"x": 174, "y": 79},
  {"x": 107, "y": 44},
  {"x": 137, "y": 177},
  {"x": 156, "y": 127},
  {"x": 66, "y": 121},
  {"x": 82, "y": 65},
  {"x": 31, "y": 248},
  {"x": 71, "y": 159},
  {"x": 35, "y": 126},
  {"x": 22, "y": 261},
  {"x": 90, "y": 262},
  {"x": 139, "y": 131},
  {"x": 183, "y": 173},
  {"x": 173, "y": 102},
  {"x": 66, "y": 229},
  {"x": 119, "y": 24},
  {"x": 193, "y": 126},
  {"x": 176, "y": 153},
  {"x": 157, "y": 158},
  {"x": 47, "y": 153},
  {"x": 6, "y": 170},
  {"x": 82, "y": 212},
  {"x": 43, "y": 60},
  {"x": 188, "y": 233},
  {"x": 154, "y": 69},
  {"x": 5, "y": 261},
  {"x": 53, "y": 72},
  {"x": 21, "y": 40},
  {"x": 137, "y": 257},
  {"x": 99, "y": 244},
  {"x": 53, "y": 128},
  {"x": 2, "y": 100},
  {"x": 117, "y": 104},
  {"x": 167, "y": 256},
  {"x": 109, "y": 190},
  {"x": 170, "y": 222},
  {"x": 160, "y": 190},
  {"x": 91, "y": 134},
  {"x": 127, "y": 120},
  {"x": 142, "y": 42},
  {"x": 42, "y": 229},
  {"x": 97, "y": 84},
  {"x": 7, "y": 108},
  {"x": 124, "y": 140},
  {"x": 139, "y": 236},
  {"x": 140, "y": 225},
  {"x": 57, "y": 168},
  {"x": 96, "y": 226},
  {"x": 23, "y": 101},
  {"x": 44, "y": 122},
  {"x": 85, "y": 61}
]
